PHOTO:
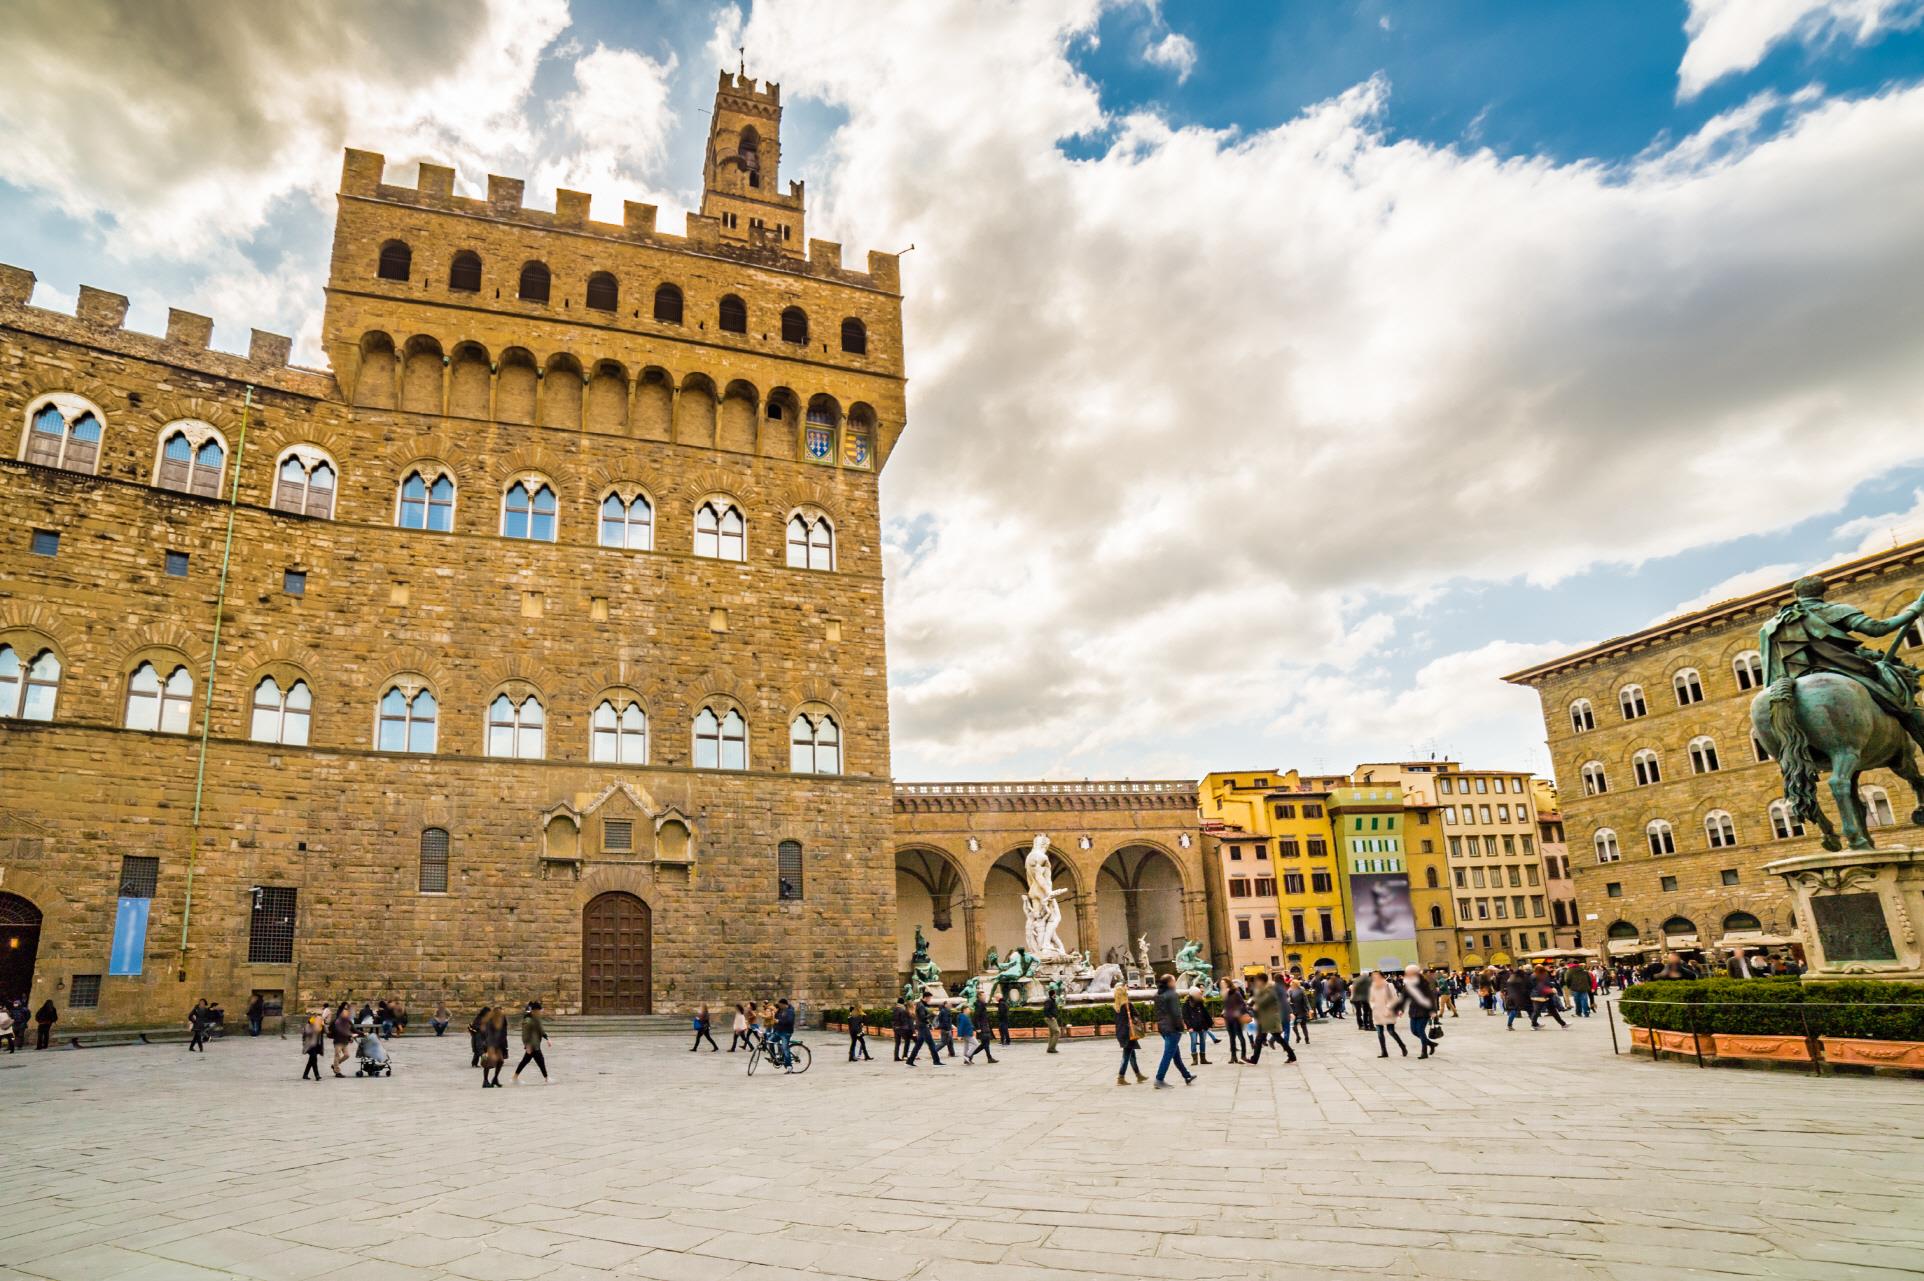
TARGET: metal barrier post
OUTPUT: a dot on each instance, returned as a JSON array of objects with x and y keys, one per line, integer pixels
[
  {"x": 1612, "y": 1016},
  {"x": 1695, "y": 1036},
  {"x": 1810, "y": 1046}
]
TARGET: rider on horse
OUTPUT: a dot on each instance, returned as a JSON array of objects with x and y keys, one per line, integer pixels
[{"x": 1811, "y": 634}]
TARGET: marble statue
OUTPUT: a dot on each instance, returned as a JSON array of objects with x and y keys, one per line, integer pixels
[
  {"x": 1108, "y": 974},
  {"x": 1142, "y": 958},
  {"x": 1831, "y": 704},
  {"x": 1041, "y": 913}
]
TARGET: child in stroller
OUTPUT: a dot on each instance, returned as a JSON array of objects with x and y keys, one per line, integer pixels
[{"x": 373, "y": 1055}]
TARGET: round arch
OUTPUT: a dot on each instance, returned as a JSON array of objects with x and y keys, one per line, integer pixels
[
  {"x": 20, "y": 924},
  {"x": 931, "y": 894},
  {"x": 1139, "y": 895},
  {"x": 617, "y": 954}
]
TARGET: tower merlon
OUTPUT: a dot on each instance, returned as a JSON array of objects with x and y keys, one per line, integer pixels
[
  {"x": 102, "y": 308},
  {"x": 744, "y": 86},
  {"x": 189, "y": 329},
  {"x": 16, "y": 285}
]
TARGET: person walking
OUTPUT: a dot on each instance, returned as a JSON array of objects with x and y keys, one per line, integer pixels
[
  {"x": 1126, "y": 1036},
  {"x": 1420, "y": 1003},
  {"x": 43, "y": 1020},
  {"x": 904, "y": 1030},
  {"x": 198, "y": 1021},
  {"x": 256, "y": 1012},
  {"x": 924, "y": 1027},
  {"x": 313, "y": 1041},
  {"x": 478, "y": 1034},
  {"x": 1359, "y": 996},
  {"x": 1298, "y": 997},
  {"x": 945, "y": 1028},
  {"x": 532, "y": 1035},
  {"x": 963, "y": 1024},
  {"x": 1002, "y": 1015},
  {"x": 1543, "y": 998},
  {"x": 340, "y": 1030},
  {"x": 9, "y": 1034},
  {"x": 1195, "y": 1017},
  {"x": 857, "y": 1034},
  {"x": 784, "y": 1033},
  {"x": 1267, "y": 1003},
  {"x": 702, "y": 1033},
  {"x": 494, "y": 1049},
  {"x": 1582, "y": 987},
  {"x": 1384, "y": 1002},
  {"x": 740, "y": 1038},
  {"x": 981, "y": 1046},
  {"x": 1169, "y": 1025},
  {"x": 1234, "y": 1010},
  {"x": 1052, "y": 1015},
  {"x": 1516, "y": 999}
]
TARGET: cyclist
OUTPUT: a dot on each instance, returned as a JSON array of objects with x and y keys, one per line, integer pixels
[{"x": 782, "y": 1033}]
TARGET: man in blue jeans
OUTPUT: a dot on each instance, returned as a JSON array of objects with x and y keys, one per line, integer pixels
[
  {"x": 1169, "y": 1023},
  {"x": 784, "y": 1032}
]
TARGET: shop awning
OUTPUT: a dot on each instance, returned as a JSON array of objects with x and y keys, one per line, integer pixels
[
  {"x": 1748, "y": 938},
  {"x": 1681, "y": 942},
  {"x": 1627, "y": 947},
  {"x": 1472, "y": 960}
]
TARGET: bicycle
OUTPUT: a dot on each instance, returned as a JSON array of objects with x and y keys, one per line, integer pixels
[{"x": 764, "y": 1048}]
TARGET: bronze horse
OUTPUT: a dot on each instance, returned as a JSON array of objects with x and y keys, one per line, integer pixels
[{"x": 1826, "y": 721}]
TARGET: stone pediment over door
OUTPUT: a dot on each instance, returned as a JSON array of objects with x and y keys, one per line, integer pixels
[{"x": 619, "y": 824}]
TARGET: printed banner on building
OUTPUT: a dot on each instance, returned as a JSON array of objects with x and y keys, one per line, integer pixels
[
  {"x": 130, "y": 936},
  {"x": 1385, "y": 919}
]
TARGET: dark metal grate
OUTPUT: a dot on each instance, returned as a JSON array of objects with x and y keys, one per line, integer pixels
[
  {"x": 434, "y": 861},
  {"x": 85, "y": 993},
  {"x": 270, "y": 940},
  {"x": 139, "y": 875},
  {"x": 788, "y": 871},
  {"x": 618, "y": 835}
]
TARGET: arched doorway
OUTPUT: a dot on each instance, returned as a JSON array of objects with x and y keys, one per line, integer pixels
[
  {"x": 617, "y": 972},
  {"x": 930, "y": 896},
  {"x": 1139, "y": 895},
  {"x": 19, "y": 942}
]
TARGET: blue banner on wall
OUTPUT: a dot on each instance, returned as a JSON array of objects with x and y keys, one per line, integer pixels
[{"x": 130, "y": 936}]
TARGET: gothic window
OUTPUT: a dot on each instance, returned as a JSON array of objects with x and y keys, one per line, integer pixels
[
  {"x": 1594, "y": 781},
  {"x": 407, "y": 721},
  {"x": 1689, "y": 687},
  {"x": 515, "y": 728},
  {"x": 28, "y": 690},
  {"x": 814, "y": 745},
  {"x": 434, "y": 860},
  {"x": 1783, "y": 824},
  {"x": 426, "y": 501},
  {"x": 720, "y": 533},
  {"x": 668, "y": 305},
  {"x": 1877, "y": 807},
  {"x": 1583, "y": 718},
  {"x": 811, "y": 542},
  {"x": 1720, "y": 830},
  {"x": 396, "y": 261},
  {"x": 732, "y": 315},
  {"x": 854, "y": 337},
  {"x": 464, "y": 273},
  {"x": 192, "y": 460},
  {"x": 528, "y": 511},
  {"x": 603, "y": 293},
  {"x": 534, "y": 282},
  {"x": 1662, "y": 839},
  {"x": 1630, "y": 700},
  {"x": 620, "y": 735},
  {"x": 305, "y": 482},
  {"x": 281, "y": 717},
  {"x": 629, "y": 524},
  {"x": 721, "y": 739},
  {"x": 748, "y": 154},
  {"x": 1703, "y": 755},
  {"x": 1644, "y": 766},
  {"x": 153, "y": 704},
  {"x": 63, "y": 431},
  {"x": 795, "y": 326},
  {"x": 1749, "y": 669}
]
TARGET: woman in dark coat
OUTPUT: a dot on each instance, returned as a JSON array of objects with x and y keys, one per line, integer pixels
[
  {"x": 1233, "y": 1007},
  {"x": 44, "y": 1018},
  {"x": 1516, "y": 998},
  {"x": 1126, "y": 1034},
  {"x": 478, "y": 1034}
]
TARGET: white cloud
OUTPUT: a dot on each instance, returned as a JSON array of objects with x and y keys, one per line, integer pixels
[
  {"x": 1730, "y": 36},
  {"x": 1177, "y": 409},
  {"x": 1738, "y": 584},
  {"x": 1174, "y": 52},
  {"x": 1881, "y": 533}
]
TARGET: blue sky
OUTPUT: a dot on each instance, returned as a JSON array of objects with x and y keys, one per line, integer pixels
[{"x": 1280, "y": 375}]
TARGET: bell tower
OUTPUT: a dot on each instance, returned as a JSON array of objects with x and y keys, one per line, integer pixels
[{"x": 741, "y": 171}]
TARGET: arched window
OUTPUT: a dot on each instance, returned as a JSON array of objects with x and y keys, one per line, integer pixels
[
  {"x": 1749, "y": 669},
  {"x": 397, "y": 260},
  {"x": 1678, "y": 925},
  {"x": 1703, "y": 755},
  {"x": 1430, "y": 878},
  {"x": 434, "y": 860},
  {"x": 407, "y": 722},
  {"x": 1583, "y": 718},
  {"x": 63, "y": 431},
  {"x": 795, "y": 326},
  {"x": 29, "y": 690},
  {"x": 620, "y": 735},
  {"x": 748, "y": 154},
  {"x": 814, "y": 745},
  {"x": 1621, "y": 930},
  {"x": 1594, "y": 781},
  {"x": 668, "y": 305},
  {"x": 528, "y": 511},
  {"x": 628, "y": 524},
  {"x": 534, "y": 282},
  {"x": 1630, "y": 700},
  {"x": 192, "y": 460},
  {"x": 1877, "y": 807},
  {"x": 156, "y": 705},
  {"x": 281, "y": 717},
  {"x": 426, "y": 501},
  {"x": 1689, "y": 687},
  {"x": 733, "y": 315},
  {"x": 854, "y": 337},
  {"x": 603, "y": 293},
  {"x": 515, "y": 729},
  {"x": 1757, "y": 748},
  {"x": 1719, "y": 830},
  {"x": 1662, "y": 839},
  {"x": 305, "y": 482},
  {"x": 1436, "y": 917},
  {"x": 1783, "y": 823},
  {"x": 1606, "y": 843},
  {"x": 719, "y": 531},
  {"x": 811, "y": 542},
  {"x": 721, "y": 739},
  {"x": 1644, "y": 765},
  {"x": 788, "y": 871},
  {"x": 1742, "y": 923},
  {"x": 818, "y": 434},
  {"x": 464, "y": 273}
]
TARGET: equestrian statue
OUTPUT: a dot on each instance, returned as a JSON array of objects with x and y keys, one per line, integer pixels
[{"x": 1830, "y": 704}]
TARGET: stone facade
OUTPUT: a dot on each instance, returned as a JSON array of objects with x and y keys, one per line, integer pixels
[
  {"x": 1694, "y": 682},
  {"x": 552, "y": 371}
]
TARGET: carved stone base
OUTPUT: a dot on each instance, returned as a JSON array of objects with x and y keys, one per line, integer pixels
[{"x": 1858, "y": 912}]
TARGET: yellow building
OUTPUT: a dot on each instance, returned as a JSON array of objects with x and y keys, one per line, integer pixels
[{"x": 1288, "y": 849}]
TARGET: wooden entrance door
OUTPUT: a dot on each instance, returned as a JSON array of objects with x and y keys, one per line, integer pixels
[{"x": 616, "y": 950}]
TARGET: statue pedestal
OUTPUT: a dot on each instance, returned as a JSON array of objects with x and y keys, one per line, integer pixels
[{"x": 1858, "y": 911}]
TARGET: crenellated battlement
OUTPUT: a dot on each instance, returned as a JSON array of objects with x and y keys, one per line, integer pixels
[
  {"x": 362, "y": 178},
  {"x": 745, "y": 89}
]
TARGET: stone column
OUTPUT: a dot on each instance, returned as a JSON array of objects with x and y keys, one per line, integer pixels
[
  {"x": 971, "y": 932},
  {"x": 1088, "y": 932}
]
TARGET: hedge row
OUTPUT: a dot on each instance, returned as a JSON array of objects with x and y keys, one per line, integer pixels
[{"x": 1865, "y": 1008}]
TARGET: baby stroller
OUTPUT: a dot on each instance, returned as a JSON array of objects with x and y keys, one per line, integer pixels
[{"x": 373, "y": 1055}]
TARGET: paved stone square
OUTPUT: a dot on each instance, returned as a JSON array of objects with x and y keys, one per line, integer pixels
[{"x": 1531, "y": 1155}]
